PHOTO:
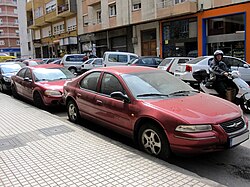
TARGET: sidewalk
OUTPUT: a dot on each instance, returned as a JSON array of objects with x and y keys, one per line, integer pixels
[{"x": 39, "y": 149}]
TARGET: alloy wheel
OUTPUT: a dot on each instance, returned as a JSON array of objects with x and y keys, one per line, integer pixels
[{"x": 151, "y": 142}]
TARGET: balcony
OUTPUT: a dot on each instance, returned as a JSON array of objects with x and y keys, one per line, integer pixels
[
  {"x": 93, "y": 2},
  {"x": 40, "y": 21},
  {"x": 29, "y": 6},
  {"x": 9, "y": 35},
  {"x": 169, "y": 8},
  {"x": 66, "y": 9},
  {"x": 52, "y": 17},
  {"x": 8, "y": 2},
  {"x": 8, "y": 13},
  {"x": 8, "y": 24}
]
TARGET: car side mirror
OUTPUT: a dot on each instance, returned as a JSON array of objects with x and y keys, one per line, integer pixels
[
  {"x": 27, "y": 79},
  {"x": 120, "y": 96},
  {"x": 246, "y": 66}
]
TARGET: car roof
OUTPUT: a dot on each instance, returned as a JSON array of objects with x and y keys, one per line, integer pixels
[{"x": 125, "y": 69}]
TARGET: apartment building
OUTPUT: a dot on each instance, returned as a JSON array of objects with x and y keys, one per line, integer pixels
[
  {"x": 9, "y": 32},
  {"x": 54, "y": 27}
]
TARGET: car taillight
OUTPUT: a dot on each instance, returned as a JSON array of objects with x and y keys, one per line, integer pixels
[
  {"x": 62, "y": 64},
  {"x": 188, "y": 68}
]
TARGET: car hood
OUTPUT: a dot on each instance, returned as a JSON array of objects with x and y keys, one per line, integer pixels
[
  {"x": 53, "y": 85},
  {"x": 9, "y": 74},
  {"x": 197, "y": 109}
]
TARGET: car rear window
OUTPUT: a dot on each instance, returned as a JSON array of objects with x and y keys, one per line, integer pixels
[
  {"x": 166, "y": 61},
  {"x": 75, "y": 58},
  {"x": 196, "y": 60},
  {"x": 118, "y": 58}
]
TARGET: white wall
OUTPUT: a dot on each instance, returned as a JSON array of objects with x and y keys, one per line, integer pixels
[{"x": 25, "y": 37}]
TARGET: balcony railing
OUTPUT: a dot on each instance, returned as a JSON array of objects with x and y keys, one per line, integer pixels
[
  {"x": 164, "y": 4},
  {"x": 9, "y": 35},
  {"x": 8, "y": 24},
  {"x": 8, "y": 13},
  {"x": 63, "y": 8},
  {"x": 8, "y": 2}
]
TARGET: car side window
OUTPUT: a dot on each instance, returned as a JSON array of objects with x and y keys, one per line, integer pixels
[
  {"x": 90, "y": 81},
  {"x": 98, "y": 62},
  {"x": 234, "y": 62},
  {"x": 117, "y": 58},
  {"x": 158, "y": 61},
  {"x": 110, "y": 84},
  {"x": 28, "y": 74},
  {"x": 148, "y": 61},
  {"x": 182, "y": 61},
  {"x": 210, "y": 61},
  {"x": 21, "y": 73},
  {"x": 75, "y": 58}
]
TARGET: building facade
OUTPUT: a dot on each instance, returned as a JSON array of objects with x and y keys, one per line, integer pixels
[
  {"x": 146, "y": 27},
  {"x": 54, "y": 27},
  {"x": 9, "y": 31}
]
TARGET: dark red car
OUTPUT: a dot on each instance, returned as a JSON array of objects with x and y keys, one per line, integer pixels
[
  {"x": 42, "y": 84},
  {"x": 160, "y": 112}
]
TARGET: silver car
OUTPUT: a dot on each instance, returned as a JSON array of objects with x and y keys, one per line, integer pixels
[{"x": 73, "y": 62}]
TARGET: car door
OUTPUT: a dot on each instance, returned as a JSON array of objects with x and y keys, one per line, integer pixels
[
  {"x": 97, "y": 63},
  {"x": 28, "y": 84},
  {"x": 238, "y": 65},
  {"x": 18, "y": 81},
  {"x": 86, "y": 94},
  {"x": 113, "y": 111}
]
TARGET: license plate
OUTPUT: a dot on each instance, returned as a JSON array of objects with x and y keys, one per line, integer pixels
[{"x": 238, "y": 139}]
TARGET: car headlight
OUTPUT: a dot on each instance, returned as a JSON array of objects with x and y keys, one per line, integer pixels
[
  {"x": 193, "y": 128},
  {"x": 52, "y": 93},
  {"x": 6, "y": 79}
]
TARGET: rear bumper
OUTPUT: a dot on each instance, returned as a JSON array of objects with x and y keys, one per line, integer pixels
[{"x": 185, "y": 76}]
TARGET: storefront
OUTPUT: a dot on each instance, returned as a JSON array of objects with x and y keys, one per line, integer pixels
[
  {"x": 179, "y": 37},
  {"x": 226, "y": 29}
]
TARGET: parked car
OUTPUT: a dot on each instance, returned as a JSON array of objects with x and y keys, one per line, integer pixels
[
  {"x": 16, "y": 60},
  {"x": 42, "y": 84},
  {"x": 56, "y": 61},
  {"x": 73, "y": 62},
  {"x": 160, "y": 112},
  {"x": 91, "y": 63},
  {"x": 148, "y": 61},
  {"x": 6, "y": 71},
  {"x": 4, "y": 56},
  {"x": 112, "y": 58},
  {"x": 185, "y": 71},
  {"x": 169, "y": 64},
  {"x": 32, "y": 62}
]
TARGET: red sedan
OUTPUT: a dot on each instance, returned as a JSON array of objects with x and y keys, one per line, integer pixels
[
  {"x": 42, "y": 84},
  {"x": 161, "y": 113}
]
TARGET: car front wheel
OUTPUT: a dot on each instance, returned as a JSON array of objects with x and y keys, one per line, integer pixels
[
  {"x": 152, "y": 140},
  {"x": 73, "y": 112},
  {"x": 38, "y": 101}
]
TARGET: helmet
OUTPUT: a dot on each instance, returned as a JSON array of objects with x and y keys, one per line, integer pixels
[{"x": 218, "y": 52}]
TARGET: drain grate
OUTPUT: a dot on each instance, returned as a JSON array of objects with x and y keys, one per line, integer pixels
[
  {"x": 10, "y": 143},
  {"x": 56, "y": 130}
]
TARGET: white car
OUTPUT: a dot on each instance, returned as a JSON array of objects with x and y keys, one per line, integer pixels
[
  {"x": 170, "y": 63},
  {"x": 113, "y": 58},
  {"x": 184, "y": 71},
  {"x": 91, "y": 63}
]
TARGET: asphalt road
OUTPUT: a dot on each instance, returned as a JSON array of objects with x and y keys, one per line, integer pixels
[{"x": 230, "y": 167}]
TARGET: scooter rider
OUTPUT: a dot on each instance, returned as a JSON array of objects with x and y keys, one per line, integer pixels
[{"x": 219, "y": 72}]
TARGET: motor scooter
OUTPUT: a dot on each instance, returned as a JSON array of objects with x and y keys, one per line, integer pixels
[{"x": 238, "y": 90}]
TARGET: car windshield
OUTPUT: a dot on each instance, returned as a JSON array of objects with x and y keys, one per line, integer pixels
[
  {"x": 196, "y": 60},
  {"x": 89, "y": 61},
  {"x": 166, "y": 61},
  {"x": 51, "y": 74},
  {"x": 10, "y": 68},
  {"x": 155, "y": 84}
]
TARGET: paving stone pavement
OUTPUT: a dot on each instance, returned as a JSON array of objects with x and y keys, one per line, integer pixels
[{"x": 39, "y": 149}]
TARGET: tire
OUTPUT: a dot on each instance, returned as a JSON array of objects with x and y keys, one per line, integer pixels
[
  {"x": 72, "y": 70},
  {"x": 73, "y": 112},
  {"x": 14, "y": 91},
  {"x": 38, "y": 101},
  {"x": 152, "y": 140},
  {"x": 245, "y": 105},
  {"x": 1, "y": 86}
]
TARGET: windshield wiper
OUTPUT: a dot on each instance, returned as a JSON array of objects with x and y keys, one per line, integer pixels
[
  {"x": 184, "y": 92},
  {"x": 151, "y": 94}
]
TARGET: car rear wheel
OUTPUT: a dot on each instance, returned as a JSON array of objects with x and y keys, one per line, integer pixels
[
  {"x": 73, "y": 112},
  {"x": 38, "y": 101},
  {"x": 14, "y": 91},
  {"x": 152, "y": 140}
]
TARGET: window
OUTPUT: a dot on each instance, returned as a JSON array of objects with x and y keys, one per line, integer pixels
[
  {"x": 38, "y": 12},
  {"x": 98, "y": 62},
  {"x": 85, "y": 20},
  {"x": 98, "y": 16},
  {"x": 29, "y": 46},
  {"x": 17, "y": 32},
  {"x": 112, "y": 10},
  {"x": 28, "y": 74},
  {"x": 2, "y": 42},
  {"x": 75, "y": 58},
  {"x": 179, "y": 1},
  {"x": 110, "y": 84},
  {"x": 136, "y": 6},
  {"x": 51, "y": 6},
  {"x": 18, "y": 42},
  {"x": 16, "y": 21},
  {"x": 118, "y": 58},
  {"x": 1, "y": 21},
  {"x": 1, "y": 32},
  {"x": 233, "y": 62},
  {"x": 15, "y": 11},
  {"x": 21, "y": 73},
  {"x": 90, "y": 81}
]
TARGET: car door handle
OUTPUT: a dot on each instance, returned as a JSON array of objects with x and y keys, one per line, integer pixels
[{"x": 99, "y": 102}]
